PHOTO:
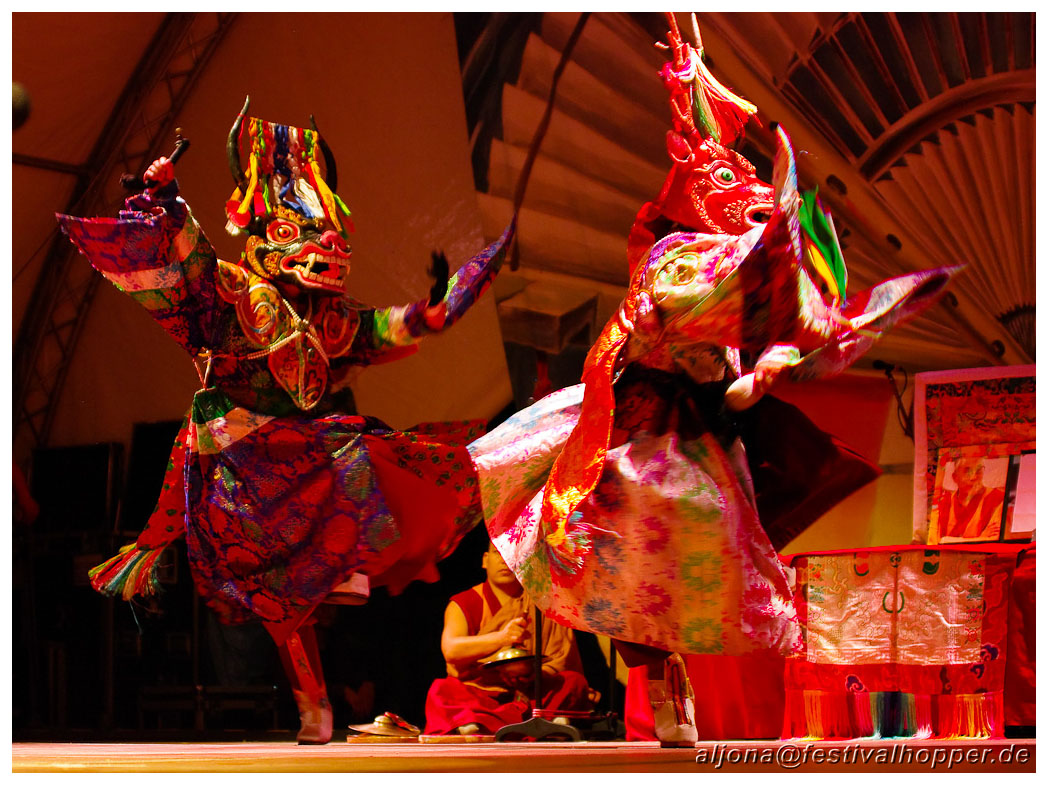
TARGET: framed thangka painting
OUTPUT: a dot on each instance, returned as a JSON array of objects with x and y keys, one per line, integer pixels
[{"x": 975, "y": 441}]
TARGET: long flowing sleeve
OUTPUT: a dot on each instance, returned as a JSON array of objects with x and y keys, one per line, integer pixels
[
  {"x": 390, "y": 333},
  {"x": 156, "y": 252},
  {"x": 753, "y": 292}
]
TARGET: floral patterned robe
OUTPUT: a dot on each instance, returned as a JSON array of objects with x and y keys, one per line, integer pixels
[{"x": 624, "y": 504}]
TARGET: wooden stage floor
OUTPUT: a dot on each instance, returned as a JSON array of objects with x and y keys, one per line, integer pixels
[{"x": 1000, "y": 755}]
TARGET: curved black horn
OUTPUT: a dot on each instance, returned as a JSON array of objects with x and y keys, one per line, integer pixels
[
  {"x": 331, "y": 173},
  {"x": 233, "y": 147}
]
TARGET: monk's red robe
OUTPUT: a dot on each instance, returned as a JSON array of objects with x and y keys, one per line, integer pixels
[{"x": 473, "y": 694}]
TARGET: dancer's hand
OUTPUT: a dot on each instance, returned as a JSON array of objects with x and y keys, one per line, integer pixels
[
  {"x": 161, "y": 172},
  {"x": 750, "y": 388},
  {"x": 438, "y": 271}
]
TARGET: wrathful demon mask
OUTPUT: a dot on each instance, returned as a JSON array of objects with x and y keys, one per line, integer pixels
[
  {"x": 293, "y": 219},
  {"x": 710, "y": 187}
]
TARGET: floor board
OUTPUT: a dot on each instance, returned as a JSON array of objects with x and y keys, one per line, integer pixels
[{"x": 760, "y": 756}]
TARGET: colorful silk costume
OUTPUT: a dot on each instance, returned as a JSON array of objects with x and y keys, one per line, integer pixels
[
  {"x": 624, "y": 504},
  {"x": 282, "y": 490}
]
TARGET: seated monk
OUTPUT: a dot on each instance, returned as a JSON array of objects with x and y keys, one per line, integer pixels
[{"x": 479, "y": 623}]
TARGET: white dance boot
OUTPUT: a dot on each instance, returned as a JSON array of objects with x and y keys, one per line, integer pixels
[{"x": 673, "y": 702}]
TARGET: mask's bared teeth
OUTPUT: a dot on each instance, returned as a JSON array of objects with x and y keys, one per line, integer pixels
[{"x": 334, "y": 269}]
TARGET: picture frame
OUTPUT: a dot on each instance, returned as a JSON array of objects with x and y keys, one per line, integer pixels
[
  {"x": 1020, "y": 515},
  {"x": 972, "y": 420}
]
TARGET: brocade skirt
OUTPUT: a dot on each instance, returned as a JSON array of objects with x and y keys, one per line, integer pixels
[
  {"x": 672, "y": 552},
  {"x": 280, "y": 510}
]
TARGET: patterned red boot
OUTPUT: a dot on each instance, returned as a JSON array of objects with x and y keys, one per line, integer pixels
[{"x": 301, "y": 660}]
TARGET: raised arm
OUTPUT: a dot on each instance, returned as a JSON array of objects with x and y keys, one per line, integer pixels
[
  {"x": 155, "y": 252},
  {"x": 754, "y": 292},
  {"x": 396, "y": 327}
]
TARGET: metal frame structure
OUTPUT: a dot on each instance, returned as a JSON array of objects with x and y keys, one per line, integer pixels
[{"x": 136, "y": 132}]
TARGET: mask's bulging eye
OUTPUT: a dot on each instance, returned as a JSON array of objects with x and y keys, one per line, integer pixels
[
  {"x": 282, "y": 231},
  {"x": 724, "y": 175}
]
